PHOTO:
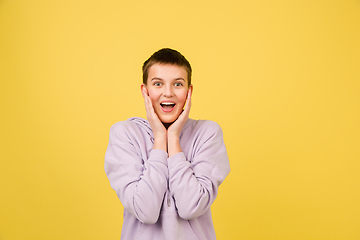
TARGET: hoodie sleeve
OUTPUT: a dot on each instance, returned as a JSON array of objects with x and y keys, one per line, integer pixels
[
  {"x": 139, "y": 183},
  {"x": 194, "y": 184}
]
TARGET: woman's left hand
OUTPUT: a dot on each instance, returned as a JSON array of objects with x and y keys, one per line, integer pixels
[{"x": 175, "y": 129}]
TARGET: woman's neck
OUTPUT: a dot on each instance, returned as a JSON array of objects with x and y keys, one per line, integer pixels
[{"x": 167, "y": 125}]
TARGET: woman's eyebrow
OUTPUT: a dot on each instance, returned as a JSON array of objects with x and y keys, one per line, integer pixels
[
  {"x": 156, "y": 78},
  {"x": 176, "y": 79}
]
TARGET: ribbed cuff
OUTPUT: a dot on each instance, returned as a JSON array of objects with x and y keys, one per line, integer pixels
[
  {"x": 177, "y": 160},
  {"x": 158, "y": 155}
]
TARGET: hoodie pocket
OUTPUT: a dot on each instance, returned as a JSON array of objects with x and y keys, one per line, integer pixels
[
  {"x": 174, "y": 227},
  {"x": 169, "y": 227}
]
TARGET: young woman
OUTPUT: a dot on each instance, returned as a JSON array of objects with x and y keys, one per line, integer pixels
[{"x": 166, "y": 170}]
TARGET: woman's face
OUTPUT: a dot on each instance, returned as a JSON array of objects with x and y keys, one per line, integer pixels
[{"x": 167, "y": 87}]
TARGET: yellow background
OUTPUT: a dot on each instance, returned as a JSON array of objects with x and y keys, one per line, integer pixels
[{"x": 282, "y": 78}]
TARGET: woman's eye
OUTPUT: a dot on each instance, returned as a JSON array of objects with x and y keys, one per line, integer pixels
[
  {"x": 157, "y": 84},
  {"x": 178, "y": 84}
]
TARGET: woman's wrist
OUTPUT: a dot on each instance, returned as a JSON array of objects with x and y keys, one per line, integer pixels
[
  {"x": 173, "y": 145},
  {"x": 172, "y": 136},
  {"x": 160, "y": 143}
]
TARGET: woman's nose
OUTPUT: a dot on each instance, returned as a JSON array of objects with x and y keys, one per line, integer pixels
[{"x": 168, "y": 91}]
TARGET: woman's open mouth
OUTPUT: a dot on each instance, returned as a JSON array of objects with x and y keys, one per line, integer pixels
[{"x": 167, "y": 106}]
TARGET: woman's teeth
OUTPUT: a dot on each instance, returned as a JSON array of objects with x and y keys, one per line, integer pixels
[{"x": 167, "y": 104}]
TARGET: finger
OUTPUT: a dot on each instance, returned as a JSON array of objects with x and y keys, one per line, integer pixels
[
  {"x": 151, "y": 108},
  {"x": 148, "y": 105},
  {"x": 144, "y": 92},
  {"x": 188, "y": 103},
  {"x": 145, "y": 101},
  {"x": 186, "y": 111}
]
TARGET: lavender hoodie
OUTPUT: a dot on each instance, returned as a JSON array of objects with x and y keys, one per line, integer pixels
[{"x": 166, "y": 198}]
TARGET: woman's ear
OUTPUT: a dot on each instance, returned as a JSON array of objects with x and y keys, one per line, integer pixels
[{"x": 144, "y": 90}]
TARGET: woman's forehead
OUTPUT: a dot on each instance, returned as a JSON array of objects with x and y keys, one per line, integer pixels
[{"x": 167, "y": 72}]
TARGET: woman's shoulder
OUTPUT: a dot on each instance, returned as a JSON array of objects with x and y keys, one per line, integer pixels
[
  {"x": 204, "y": 125},
  {"x": 131, "y": 124}
]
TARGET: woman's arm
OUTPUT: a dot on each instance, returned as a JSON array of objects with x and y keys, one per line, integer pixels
[
  {"x": 139, "y": 183},
  {"x": 173, "y": 133},
  {"x": 159, "y": 131},
  {"x": 194, "y": 185}
]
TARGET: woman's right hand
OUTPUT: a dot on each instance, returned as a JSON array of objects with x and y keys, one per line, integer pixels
[{"x": 156, "y": 125}]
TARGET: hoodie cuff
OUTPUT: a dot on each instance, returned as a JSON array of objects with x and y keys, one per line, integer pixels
[
  {"x": 177, "y": 160},
  {"x": 158, "y": 155}
]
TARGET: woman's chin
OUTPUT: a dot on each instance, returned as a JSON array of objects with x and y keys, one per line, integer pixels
[{"x": 168, "y": 120}]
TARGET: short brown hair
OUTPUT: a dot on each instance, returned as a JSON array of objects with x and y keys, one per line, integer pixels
[{"x": 166, "y": 56}]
